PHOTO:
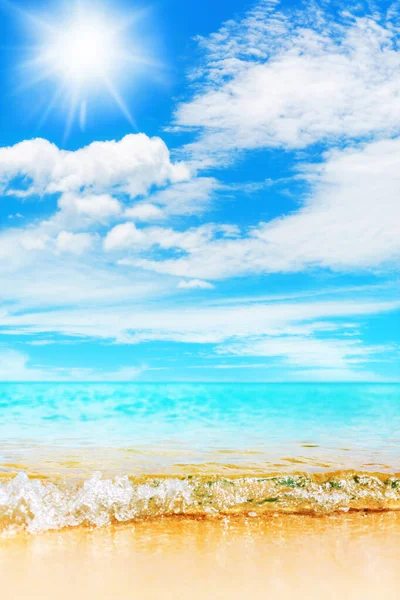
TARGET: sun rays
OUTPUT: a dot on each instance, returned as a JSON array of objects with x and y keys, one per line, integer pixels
[{"x": 83, "y": 56}]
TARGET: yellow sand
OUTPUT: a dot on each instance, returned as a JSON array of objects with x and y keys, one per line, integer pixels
[{"x": 352, "y": 556}]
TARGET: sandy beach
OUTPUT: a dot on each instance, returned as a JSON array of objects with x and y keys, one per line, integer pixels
[{"x": 354, "y": 555}]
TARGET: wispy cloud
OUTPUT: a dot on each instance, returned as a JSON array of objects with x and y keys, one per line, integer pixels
[
  {"x": 348, "y": 222},
  {"x": 194, "y": 323},
  {"x": 290, "y": 79},
  {"x": 195, "y": 284},
  {"x": 17, "y": 366},
  {"x": 295, "y": 337}
]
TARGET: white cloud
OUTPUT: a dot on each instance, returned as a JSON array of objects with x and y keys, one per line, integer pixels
[
  {"x": 179, "y": 199},
  {"x": 300, "y": 336},
  {"x": 74, "y": 243},
  {"x": 187, "y": 197},
  {"x": 87, "y": 178},
  {"x": 349, "y": 222},
  {"x": 307, "y": 352},
  {"x": 350, "y": 219},
  {"x": 339, "y": 375},
  {"x": 17, "y": 366},
  {"x": 193, "y": 323},
  {"x": 19, "y": 247},
  {"x": 14, "y": 367},
  {"x": 144, "y": 211},
  {"x": 128, "y": 236},
  {"x": 130, "y": 166},
  {"x": 30, "y": 257},
  {"x": 193, "y": 284},
  {"x": 291, "y": 79},
  {"x": 124, "y": 235},
  {"x": 76, "y": 208},
  {"x": 53, "y": 281}
]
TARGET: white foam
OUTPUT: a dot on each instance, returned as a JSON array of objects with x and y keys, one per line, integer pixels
[{"x": 38, "y": 505}]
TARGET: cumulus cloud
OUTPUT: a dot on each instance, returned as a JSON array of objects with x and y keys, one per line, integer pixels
[
  {"x": 124, "y": 235},
  {"x": 87, "y": 181},
  {"x": 129, "y": 166},
  {"x": 77, "y": 208},
  {"x": 290, "y": 79}
]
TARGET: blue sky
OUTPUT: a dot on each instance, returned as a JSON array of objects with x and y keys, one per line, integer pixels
[{"x": 199, "y": 191}]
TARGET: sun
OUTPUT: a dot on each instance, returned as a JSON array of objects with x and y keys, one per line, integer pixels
[
  {"x": 86, "y": 54},
  {"x": 85, "y": 51}
]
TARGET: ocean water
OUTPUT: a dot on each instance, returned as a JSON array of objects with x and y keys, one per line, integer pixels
[{"x": 74, "y": 454}]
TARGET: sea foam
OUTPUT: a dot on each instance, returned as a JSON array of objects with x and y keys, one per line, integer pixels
[{"x": 38, "y": 505}]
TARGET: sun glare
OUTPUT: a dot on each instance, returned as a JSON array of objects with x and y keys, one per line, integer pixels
[{"x": 86, "y": 54}]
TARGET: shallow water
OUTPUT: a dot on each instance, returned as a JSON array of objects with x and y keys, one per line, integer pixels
[
  {"x": 163, "y": 425},
  {"x": 95, "y": 454}
]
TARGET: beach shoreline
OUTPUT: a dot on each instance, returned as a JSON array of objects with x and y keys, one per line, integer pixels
[
  {"x": 202, "y": 492},
  {"x": 37, "y": 505}
]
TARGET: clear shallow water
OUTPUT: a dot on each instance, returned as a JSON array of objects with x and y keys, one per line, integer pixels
[
  {"x": 94, "y": 454},
  {"x": 155, "y": 427}
]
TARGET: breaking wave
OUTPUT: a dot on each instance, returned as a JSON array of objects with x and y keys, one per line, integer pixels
[{"x": 38, "y": 505}]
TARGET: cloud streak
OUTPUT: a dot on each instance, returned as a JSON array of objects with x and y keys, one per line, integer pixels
[
  {"x": 349, "y": 222},
  {"x": 299, "y": 337},
  {"x": 193, "y": 323},
  {"x": 17, "y": 366}
]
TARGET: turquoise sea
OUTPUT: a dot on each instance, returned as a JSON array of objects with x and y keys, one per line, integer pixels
[{"x": 196, "y": 448}]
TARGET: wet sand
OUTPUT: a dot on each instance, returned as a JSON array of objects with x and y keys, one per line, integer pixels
[{"x": 350, "y": 556}]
